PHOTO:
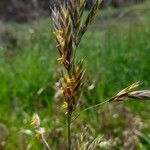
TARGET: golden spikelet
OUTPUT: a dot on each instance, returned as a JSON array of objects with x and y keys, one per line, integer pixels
[
  {"x": 71, "y": 85},
  {"x": 131, "y": 93},
  {"x": 63, "y": 34}
]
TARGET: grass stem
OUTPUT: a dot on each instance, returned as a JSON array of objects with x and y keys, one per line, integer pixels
[
  {"x": 45, "y": 142},
  {"x": 69, "y": 130}
]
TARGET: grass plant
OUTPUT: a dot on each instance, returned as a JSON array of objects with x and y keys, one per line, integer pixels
[{"x": 68, "y": 31}]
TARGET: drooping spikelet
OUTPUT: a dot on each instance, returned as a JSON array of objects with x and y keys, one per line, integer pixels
[
  {"x": 131, "y": 92},
  {"x": 142, "y": 94}
]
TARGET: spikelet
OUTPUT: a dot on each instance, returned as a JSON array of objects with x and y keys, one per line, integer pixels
[
  {"x": 63, "y": 34},
  {"x": 90, "y": 16},
  {"x": 71, "y": 86},
  {"x": 141, "y": 95},
  {"x": 36, "y": 123},
  {"x": 76, "y": 9},
  {"x": 131, "y": 93}
]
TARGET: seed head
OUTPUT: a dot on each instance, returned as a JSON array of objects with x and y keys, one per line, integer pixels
[
  {"x": 131, "y": 93},
  {"x": 35, "y": 121},
  {"x": 142, "y": 95},
  {"x": 124, "y": 93}
]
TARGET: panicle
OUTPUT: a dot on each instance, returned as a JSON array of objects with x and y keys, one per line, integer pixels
[{"x": 68, "y": 31}]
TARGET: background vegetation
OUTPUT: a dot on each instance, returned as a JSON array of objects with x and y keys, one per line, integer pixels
[
  {"x": 23, "y": 11},
  {"x": 117, "y": 53}
]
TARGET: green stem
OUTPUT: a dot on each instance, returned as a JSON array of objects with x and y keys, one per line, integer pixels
[
  {"x": 68, "y": 130},
  {"x": 91, "y": 107},
  {"x": 45, "y": 142}
]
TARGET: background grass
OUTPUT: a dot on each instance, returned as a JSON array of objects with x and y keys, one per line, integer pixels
[{"x": 117, "y": 50}]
